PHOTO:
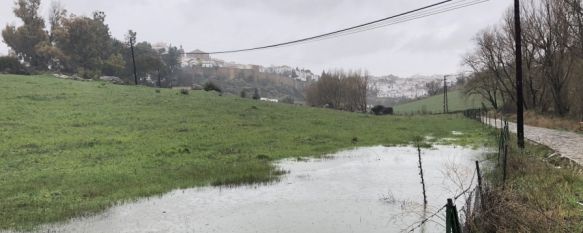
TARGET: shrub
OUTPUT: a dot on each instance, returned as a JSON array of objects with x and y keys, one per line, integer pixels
[
  {"x": 184, "y": 91},
  {"x": 243, "y": 94},
  {"x": 11, "y": 65},
  {"x": 382, "y": 110},
  {"x": 88, "y": 73},
  {"x": 256, "y": 95},
  {"x": 210, "y": 86}
]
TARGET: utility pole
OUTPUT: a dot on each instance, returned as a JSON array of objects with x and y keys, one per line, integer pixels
[
  {"x": 159, "y": 78},
  {"x": 132, "y": 40},
  {"x": 445, "y": 98},
  {"x": 519, "y": 89}
]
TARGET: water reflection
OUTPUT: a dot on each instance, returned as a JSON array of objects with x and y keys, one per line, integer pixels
[{"x": 374, "y": 189}]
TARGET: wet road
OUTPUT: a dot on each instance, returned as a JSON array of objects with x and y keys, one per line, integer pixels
[{"x": 568, "y": 144}]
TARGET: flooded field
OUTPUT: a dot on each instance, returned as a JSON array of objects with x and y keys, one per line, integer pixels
[{"x": 374, "y": 189}]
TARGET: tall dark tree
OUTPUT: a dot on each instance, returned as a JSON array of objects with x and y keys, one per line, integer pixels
[
  {"x": 131, "y": 38},
  {"x": 27, "y": 40},
  {"x": 85, "y": 43}
]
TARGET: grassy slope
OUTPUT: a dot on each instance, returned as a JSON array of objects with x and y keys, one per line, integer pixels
[
  {"x": 457, "y": 102},
  {"x": 69, "y": 148}
]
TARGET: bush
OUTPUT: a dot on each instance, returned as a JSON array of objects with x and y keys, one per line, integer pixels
[
  {"x": 184, "y": 91},
  {"x": 256, "y": 95},
  {"x": 11, "y": 65},
  {"x": 382, "y": 110},
  {"x": 210, "y": 86},
  {"x": 88, "y": 74},
  {"x": 243, "y": 94}
]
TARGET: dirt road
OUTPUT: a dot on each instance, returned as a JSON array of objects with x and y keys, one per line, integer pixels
[{"x": 568, "y": 144}]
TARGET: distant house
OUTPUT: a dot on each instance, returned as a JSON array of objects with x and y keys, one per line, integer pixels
[
  {"x": 195, "y": 57},
  {"x": 199, "y": 55},
  {"x": 270, "y": 100},
  {"x": 233, "y": 65},
  {"x": 160, "y": 46},
  {"x": 208, "y": 64}
]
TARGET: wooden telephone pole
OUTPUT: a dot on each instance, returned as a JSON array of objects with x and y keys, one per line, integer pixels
[
  {"x": 519, "y": 89},
  {"x": 132, "y": 41},
  {"x": 445, "y": 97}
]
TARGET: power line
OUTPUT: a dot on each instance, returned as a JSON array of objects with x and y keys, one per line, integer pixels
[
  {"x": 411, "y": 18},
  {"x": 457, "y": 4},
  {"x": 422, "y": 12},
  {"x": 422, "y": 222},
  {"x": 419, "y": 15},
  {"x": 335, "y": 32}
]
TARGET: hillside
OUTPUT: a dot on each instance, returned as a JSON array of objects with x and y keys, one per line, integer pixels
[
  {"x": 234, "y": 81},
  {"x": 457, "y": 101},
  {"x": 70, "y": 148},
  {"x": 392, "y": 86}
]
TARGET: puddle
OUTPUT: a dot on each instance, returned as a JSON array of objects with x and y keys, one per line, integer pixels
[
  {"x": 457, "y": 133},
  {"x": 374, "y": 189}
]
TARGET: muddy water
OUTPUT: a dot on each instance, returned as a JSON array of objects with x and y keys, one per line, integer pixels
[{"x": 373, "y": 189}]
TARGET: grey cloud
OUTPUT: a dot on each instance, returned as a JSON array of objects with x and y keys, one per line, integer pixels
[{"x": 428, "y": 46}]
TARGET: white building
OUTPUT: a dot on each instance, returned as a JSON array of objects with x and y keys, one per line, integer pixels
[{"x": 270, "y": 100}]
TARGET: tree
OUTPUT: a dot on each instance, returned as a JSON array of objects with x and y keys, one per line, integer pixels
[
  {"x": 256, "y": 95},
  {"x": 85, "y": 43},
  {"x": 482, "y": 85},
  {"x": 340, "y": 90},
  {"x": 170, "y": 64},
  {"x": 552, "y": 55},
  {"x": 294, "y": 74},
  {"x": 26, "y": 40},
  {"x": 114, "y": 65},
  {"x": 434, "y": 87},
  {"x": 56, "y": 15},
  {"x": 131, "y": 39},
  {"x": 11, "y": 65}
]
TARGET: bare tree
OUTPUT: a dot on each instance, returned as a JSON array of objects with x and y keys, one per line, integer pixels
[{"x": 340, "y": 90}]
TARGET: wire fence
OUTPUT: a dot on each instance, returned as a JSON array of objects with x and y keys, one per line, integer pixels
[{"x": 458, "y": 219}]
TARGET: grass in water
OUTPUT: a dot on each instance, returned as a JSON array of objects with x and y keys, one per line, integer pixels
[{"x": 70, "y": 148}]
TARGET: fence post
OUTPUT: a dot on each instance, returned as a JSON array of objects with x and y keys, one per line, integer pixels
[
  {"x": 504, "y": 165},
  {"x": 448, "y": 217},
  {"x": 500, "y": 136},
  {"x": 452, "y": 222},
  {"x": 480, "y": 192}
]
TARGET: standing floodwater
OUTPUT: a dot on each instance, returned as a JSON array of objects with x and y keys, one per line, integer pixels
[{"x": 371, "y": 190}]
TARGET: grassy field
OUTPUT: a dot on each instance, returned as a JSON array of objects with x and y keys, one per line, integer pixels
[
  {"x": 70, "y": 148},
  {"x": 457, "y": 101}
]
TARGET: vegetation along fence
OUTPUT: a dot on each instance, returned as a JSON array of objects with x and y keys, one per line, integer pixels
[{"x": 458, "y": 220}]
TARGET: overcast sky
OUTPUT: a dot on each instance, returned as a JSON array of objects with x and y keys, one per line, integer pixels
[{"x": 432, "y": 45}]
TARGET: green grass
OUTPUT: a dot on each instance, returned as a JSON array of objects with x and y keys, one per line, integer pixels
[
  {"x": 458, "y": 101},
  {"x": 540, "y": 194},
  {"x": 70, "y": 148}
]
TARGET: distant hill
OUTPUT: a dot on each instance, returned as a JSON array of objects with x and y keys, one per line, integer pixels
[
  {"x": 234, "y": 80},
  {"x": 457, "y": 101},
  {"x": 413, "y": 87}
]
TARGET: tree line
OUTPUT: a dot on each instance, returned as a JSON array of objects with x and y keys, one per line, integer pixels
[
  {"x": 340, "y": 90},
  {"x": 552, "y": 57},
  {"x": 83, "y": 45}
]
